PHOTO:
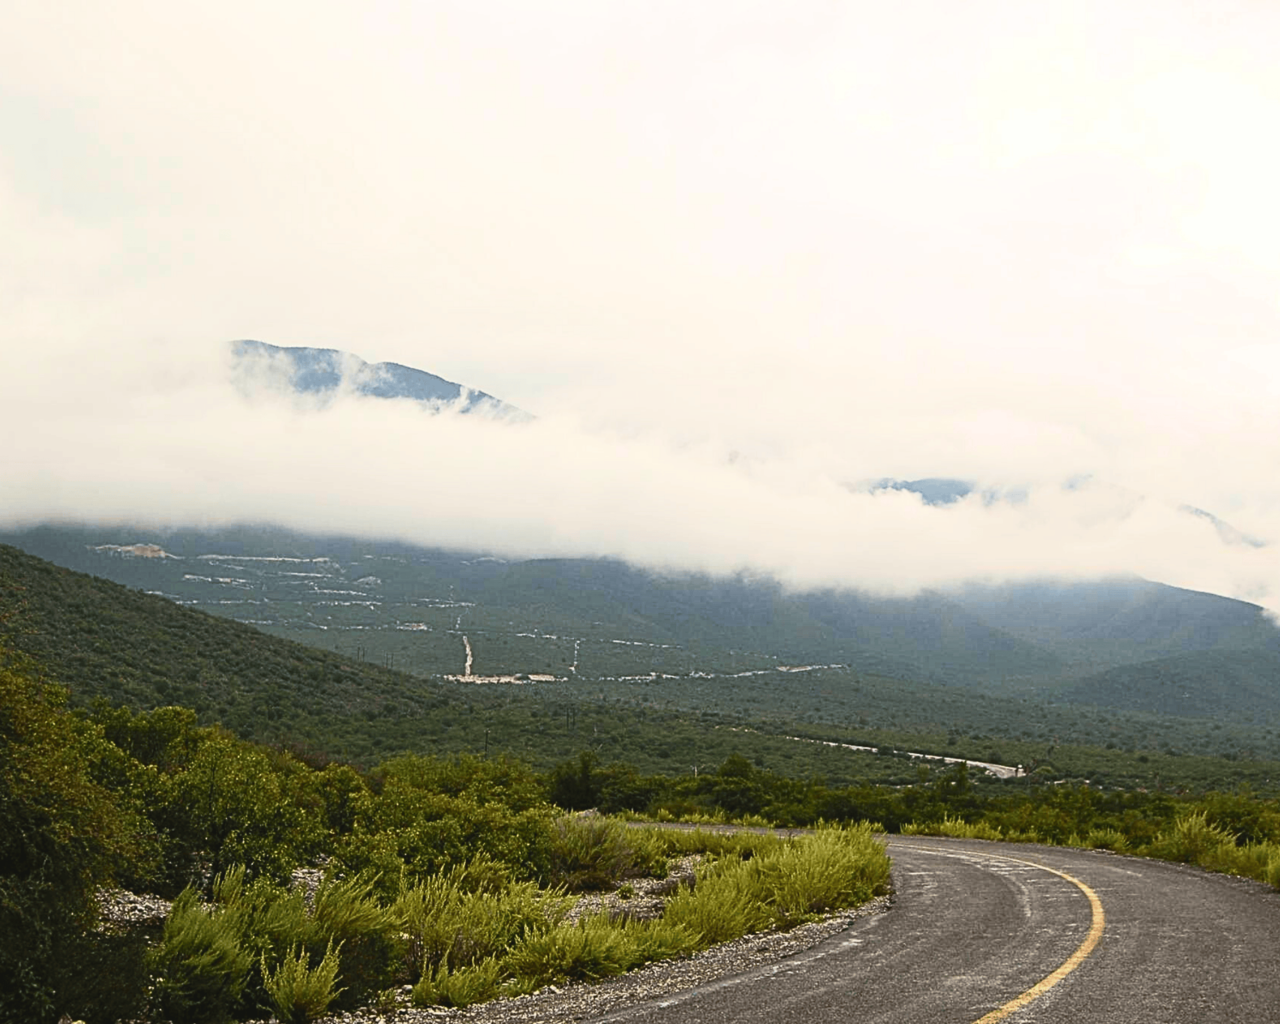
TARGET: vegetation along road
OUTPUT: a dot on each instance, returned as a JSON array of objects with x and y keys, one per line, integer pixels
[{"x": 986, "y": 932}]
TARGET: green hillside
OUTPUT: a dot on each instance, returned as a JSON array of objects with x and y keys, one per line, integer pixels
[
  {"x": 1096, "y": 625},
  {"x": 104, "y": 640},
  {"x": 1246, "y": 685},
  {"x": 422, "y": 610},
  {"x": 107, "y": 641}
]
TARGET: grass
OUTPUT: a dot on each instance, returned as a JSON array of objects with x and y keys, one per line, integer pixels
[
  {"x": 787, "y": 883},
  {"x": 748, "y": 882},
  {"x": 471, "y": 932},
  {"x": 1191, "y": 839}
]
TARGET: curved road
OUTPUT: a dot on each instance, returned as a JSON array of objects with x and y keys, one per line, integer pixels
[{"x": 1002, "y": 932}]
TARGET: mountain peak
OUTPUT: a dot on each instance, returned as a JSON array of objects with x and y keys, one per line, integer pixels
[{"x": 324, "y": 371}]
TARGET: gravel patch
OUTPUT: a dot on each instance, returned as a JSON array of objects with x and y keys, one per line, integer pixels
[{"x": 121, "y": 909}]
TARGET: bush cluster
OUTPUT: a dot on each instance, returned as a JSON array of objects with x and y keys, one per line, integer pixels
[
  {"x": 748, "y": 883},
  {"x": 1193, "y": 837}
]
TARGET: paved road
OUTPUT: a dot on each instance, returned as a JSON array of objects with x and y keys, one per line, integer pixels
[{"x": 1001, "y": 932}]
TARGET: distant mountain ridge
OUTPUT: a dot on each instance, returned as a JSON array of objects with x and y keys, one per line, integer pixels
[
  {"x": 325, "y": 371},
  {"x": 1124, "y": 643},
  {"x": 947, "y": 491}
]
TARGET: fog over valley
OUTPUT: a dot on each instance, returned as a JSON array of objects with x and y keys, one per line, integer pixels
[{"x": 738, "y": 263}]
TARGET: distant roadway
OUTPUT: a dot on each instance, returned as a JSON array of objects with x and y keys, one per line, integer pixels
[{"x": 987, "y": 932}]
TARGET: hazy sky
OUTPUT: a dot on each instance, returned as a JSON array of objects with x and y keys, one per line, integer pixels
[{"x": 736, "y": 256}]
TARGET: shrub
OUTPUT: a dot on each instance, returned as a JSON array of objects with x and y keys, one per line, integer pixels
[
  {"x": 724, "y": 904},
  {"x": 678, "y": 842},
  {"x": 658, "y": 940},
  {"x": 1191, "y": 840},
  {"x": 200, "y": 967},
  {"x": 297, "y": 991},
  {"x": 828, "y": 869},
  {"x": 232, "y": 806},
  {"x": 367, "y": 934},
  {"x": 592, "y": 853},
  {"x": 453, "y": 928},
  {"x": 1106, "y": 839},
  {"x": 956, "y": 827},
  {"x": 1269, "y": 869},
  {"x": 462, "y": 987},
  {"x": 110, "y": 981},
  {"x": 586, "y": 950},
  {"x": 428, "y": 814}
]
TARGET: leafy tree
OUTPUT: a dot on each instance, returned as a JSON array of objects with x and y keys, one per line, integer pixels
[
  {"x": 575, "y": 785},
  {"x": 231, "y": 805},
  {"x": 61, "y": 835}
]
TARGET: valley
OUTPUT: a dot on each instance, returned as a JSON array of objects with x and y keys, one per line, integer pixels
[{"x": 579, "y": 640}]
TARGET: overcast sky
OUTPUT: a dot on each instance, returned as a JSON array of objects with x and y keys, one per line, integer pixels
[{"x": 735, "y": 256}]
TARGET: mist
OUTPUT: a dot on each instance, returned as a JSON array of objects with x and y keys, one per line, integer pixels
[
  {"x": 739, "y": 261},
  {"x": 146, "y": 443}
]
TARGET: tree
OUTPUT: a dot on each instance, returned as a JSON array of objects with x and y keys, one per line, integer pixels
[{"x": 61, "y": 835}]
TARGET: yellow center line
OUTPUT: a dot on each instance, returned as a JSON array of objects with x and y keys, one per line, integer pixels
[{"x": 1070, "y": 964}]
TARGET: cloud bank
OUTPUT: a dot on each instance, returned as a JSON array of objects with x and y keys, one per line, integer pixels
[
  {"x": 135, "y": 440},
  {"x": 736, "y": 257}
]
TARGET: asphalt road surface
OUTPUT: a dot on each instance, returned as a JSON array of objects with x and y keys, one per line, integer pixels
[{"x": 1002, "y": 932}]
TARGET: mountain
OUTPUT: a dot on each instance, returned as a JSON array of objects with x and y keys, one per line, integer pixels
[
  {"x": 1099, "y": 624},
  {"x": 434, "y": 612},
  {"x": 947, "y": 491},
  {"x": 1245, "y": 685},
  {"x": 324, "y": 371},
  {"x": 439, "y": 613},
  {"x": 106, "y": 641},
  {"x": 624, "y": 685}
]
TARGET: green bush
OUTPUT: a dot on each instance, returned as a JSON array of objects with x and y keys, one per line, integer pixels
[
  {"x": 1192, "y": 839},
  {"x": 452, "y": 927},
  {"x": 1269, "y": 865},
  {"x": 823, "y": 871},
  {"x": 828, "y": 870},
  {"x": 297, "y": 991},
  {"x": 110, "y": 982},
  {"x": 200, "y": 967},
  {"x": 347, "y": 914},
  {"x": 425, "y": 815},
  {"x": 725, "y": 903},
  {"x": 461, "y": 987},
  {"x": 593, "y": 853},
  {"x": 586, "y": 950},
  {"x": 63, "y": 834},
  {"x": 274, "y": 923},
  {"x": 1106, "y": 839},
  {"x": 657, "y": 940},
  {"x": 955, "y": 827},
  {"x": 233, "y": 805},
  {"x": 743, "y": 845}
]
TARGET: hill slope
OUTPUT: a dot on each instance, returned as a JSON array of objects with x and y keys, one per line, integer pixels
[
  {"x": 1104, "y": 623},
  {"x": 412, "y": 607},
  {"x": 1246, "y": 683},
  {"x": 105, "y": 640}
]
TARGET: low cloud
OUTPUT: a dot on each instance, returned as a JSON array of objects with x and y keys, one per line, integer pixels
[
  {"x": 127, "y": 436},
  {"x": 735, "y": 258}
]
